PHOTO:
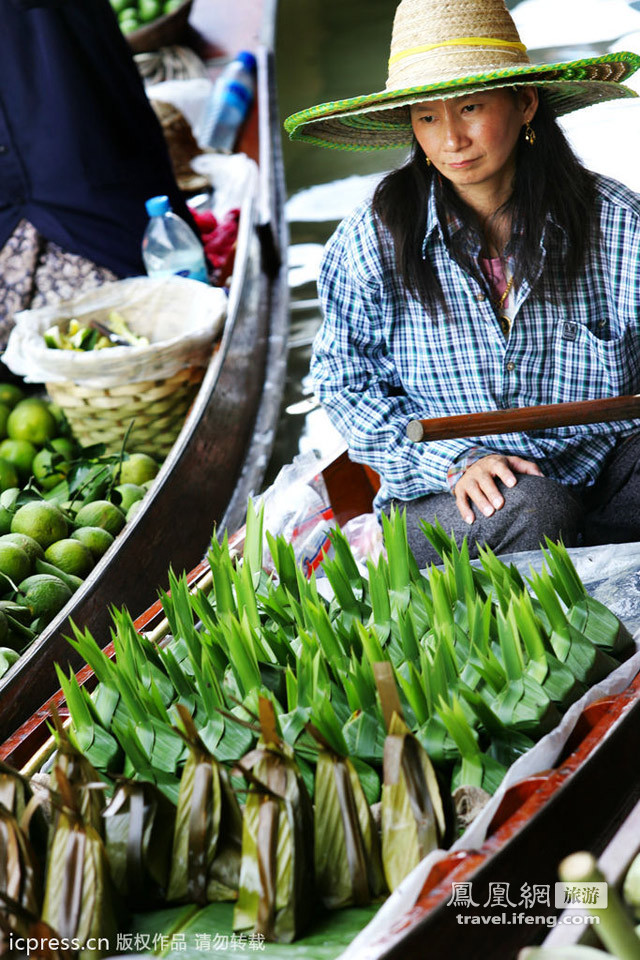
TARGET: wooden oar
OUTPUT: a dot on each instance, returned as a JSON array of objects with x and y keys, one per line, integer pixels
[{"x": 520, "y": 419}]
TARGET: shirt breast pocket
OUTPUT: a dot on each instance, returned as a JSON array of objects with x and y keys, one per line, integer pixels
[{"x": 590, "y": 366}]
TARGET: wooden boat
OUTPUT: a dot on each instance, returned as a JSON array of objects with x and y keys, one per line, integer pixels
[
  {"x": 538, "y": 820},
  {"x": 222, "y": 451}
]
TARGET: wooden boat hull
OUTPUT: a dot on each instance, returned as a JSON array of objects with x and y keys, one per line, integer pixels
[{"x": 222, "y": 452}]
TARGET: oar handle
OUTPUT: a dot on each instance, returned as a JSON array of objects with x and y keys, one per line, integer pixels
[{"x": 520, "y": 419}]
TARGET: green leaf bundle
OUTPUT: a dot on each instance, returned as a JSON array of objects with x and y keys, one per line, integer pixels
[
  {"x": 413, "y": 819},
  {"x": 348, "y": 866},
  {"x": 205, "y": 860},
  {"x": 19, "y": 876},
  {"x": 276, "y": 879},
  {"x": 138, "y": 826},
  {"x": 78, "y": 898}
]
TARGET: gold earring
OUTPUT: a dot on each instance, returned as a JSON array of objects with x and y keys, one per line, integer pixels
[
  {"x": 427, "y": 160},
  {"x": 529, "y": 134}
]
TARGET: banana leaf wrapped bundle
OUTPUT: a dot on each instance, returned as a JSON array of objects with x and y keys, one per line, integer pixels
[
  {"x": 276, "y": 878},
  {"x": 205, "y": 861},
  {"x": 17, "y": 797},
  {"x": 348, "y": 865},
  {"x": 413, "y": 817},
  {"x": 80, "y": 776},
  {"x": 19, "y": 878},
  {"x": 79, "y": 898},
  {"x": 138, "y": 825}
]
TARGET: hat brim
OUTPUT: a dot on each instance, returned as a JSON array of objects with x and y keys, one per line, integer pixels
[{"x": 382, "y": 120}]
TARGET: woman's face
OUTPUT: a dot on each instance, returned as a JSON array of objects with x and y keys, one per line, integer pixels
[{"x": 471, "y": 140}]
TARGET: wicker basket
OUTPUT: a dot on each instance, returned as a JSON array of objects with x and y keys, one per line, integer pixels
[
  {"x": 163, "y": 32},
  {"x": 157, "y": 409}
]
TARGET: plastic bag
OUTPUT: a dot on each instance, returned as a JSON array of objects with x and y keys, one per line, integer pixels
[
  {"x": 364, "y": 534},
  {"x": 180, "y": 317},
  {"x": 297, "y": 507}
]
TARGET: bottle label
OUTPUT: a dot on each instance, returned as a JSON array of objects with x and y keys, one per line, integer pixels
[{"x": 193, "y": 274}]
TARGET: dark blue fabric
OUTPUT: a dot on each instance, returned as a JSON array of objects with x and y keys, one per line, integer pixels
[{"x": 80, "y": 146}]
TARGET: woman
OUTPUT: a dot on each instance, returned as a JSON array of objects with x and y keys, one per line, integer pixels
[
  {"x": 491, "y": 271},
  {"x": 80, "y": 152}
]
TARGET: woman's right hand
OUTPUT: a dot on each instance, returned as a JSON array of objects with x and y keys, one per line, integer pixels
[{"x": 477, "y": 485}]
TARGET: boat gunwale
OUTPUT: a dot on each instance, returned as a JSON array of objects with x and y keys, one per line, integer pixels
[{"x": 269, "y": 326}]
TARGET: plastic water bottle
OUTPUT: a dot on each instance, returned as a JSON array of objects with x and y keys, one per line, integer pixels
[
  {"x": 229, "y": 104},
  {"x": 169, "y": 245}
]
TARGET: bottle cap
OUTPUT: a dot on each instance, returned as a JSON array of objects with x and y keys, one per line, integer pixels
[
  {"x": 158, "y": 206},
  {"x": 240, "y": 91},
  {"x": 247, "y": 59}
]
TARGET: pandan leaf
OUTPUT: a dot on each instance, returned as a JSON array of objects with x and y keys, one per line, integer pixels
[
  {"x": 380, "y": 602},
  {"x": 252, "y": 550},
  {"x": 394, "y": 527},
  {"x": 601, "y": 626}
]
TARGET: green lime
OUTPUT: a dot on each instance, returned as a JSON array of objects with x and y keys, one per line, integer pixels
[
  {"x": 8, "y": 475},
  {"x": 101, "y": 513},
  {"x": 130, "y": 493},
  {"x": 5, "y": 520},
  {"x": 10, "y": 394},
  {"x": 65, "y": 446},
  {"x": 128, "y": 21},
  {"x": 149, "y": 10},
  {"x": 30, "y": 546},
  {"x": 20, "y": 453},
  {"x": 5, "y": 410},
  {"x": 71, "y": 556},
  {"x": 44, "y": 595},
  {"x": 138, "y": 468},
  {"x": 14, "y": 565},
  {"x": 9, "y": 497},
  {"x": 42, "y": 521},
  {"x": 48, "y": 475},
  {"x": 135, "y": 508},
  {"x": 33, "y": 421},
  {"x": 95, "y": 538}
]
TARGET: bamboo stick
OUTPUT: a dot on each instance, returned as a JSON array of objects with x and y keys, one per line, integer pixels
[{"x": 521, "y": 419}]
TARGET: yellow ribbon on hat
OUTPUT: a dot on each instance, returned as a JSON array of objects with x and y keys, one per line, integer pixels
[{"x": 458, "y": 42}]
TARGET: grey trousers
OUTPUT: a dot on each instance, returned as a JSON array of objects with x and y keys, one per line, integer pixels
[{"x": 608, "y": 512}]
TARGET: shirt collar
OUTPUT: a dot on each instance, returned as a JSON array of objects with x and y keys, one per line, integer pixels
[{"x": 454, "y": 223}]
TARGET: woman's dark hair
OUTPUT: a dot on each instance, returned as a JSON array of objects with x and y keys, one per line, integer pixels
[{"x": 550, "y": 182}]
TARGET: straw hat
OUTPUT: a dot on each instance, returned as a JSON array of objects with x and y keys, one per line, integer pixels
[{"x": 447, "y": 48}]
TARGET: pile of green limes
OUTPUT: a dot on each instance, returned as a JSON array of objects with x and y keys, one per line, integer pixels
[{"x": 133, "y": 14}]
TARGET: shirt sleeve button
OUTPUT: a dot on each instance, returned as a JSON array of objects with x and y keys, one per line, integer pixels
[
  {"x": 480, "y": 297},
  {"x": 3, "y": 148},
  {"x": 511, "y": 366}
]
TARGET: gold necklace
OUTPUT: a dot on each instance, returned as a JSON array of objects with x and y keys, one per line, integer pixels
[{"x": 503, "y": 319}]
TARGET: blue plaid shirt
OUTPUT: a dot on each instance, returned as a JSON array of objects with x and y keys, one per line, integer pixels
[{"x": 381, "y": 360}]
